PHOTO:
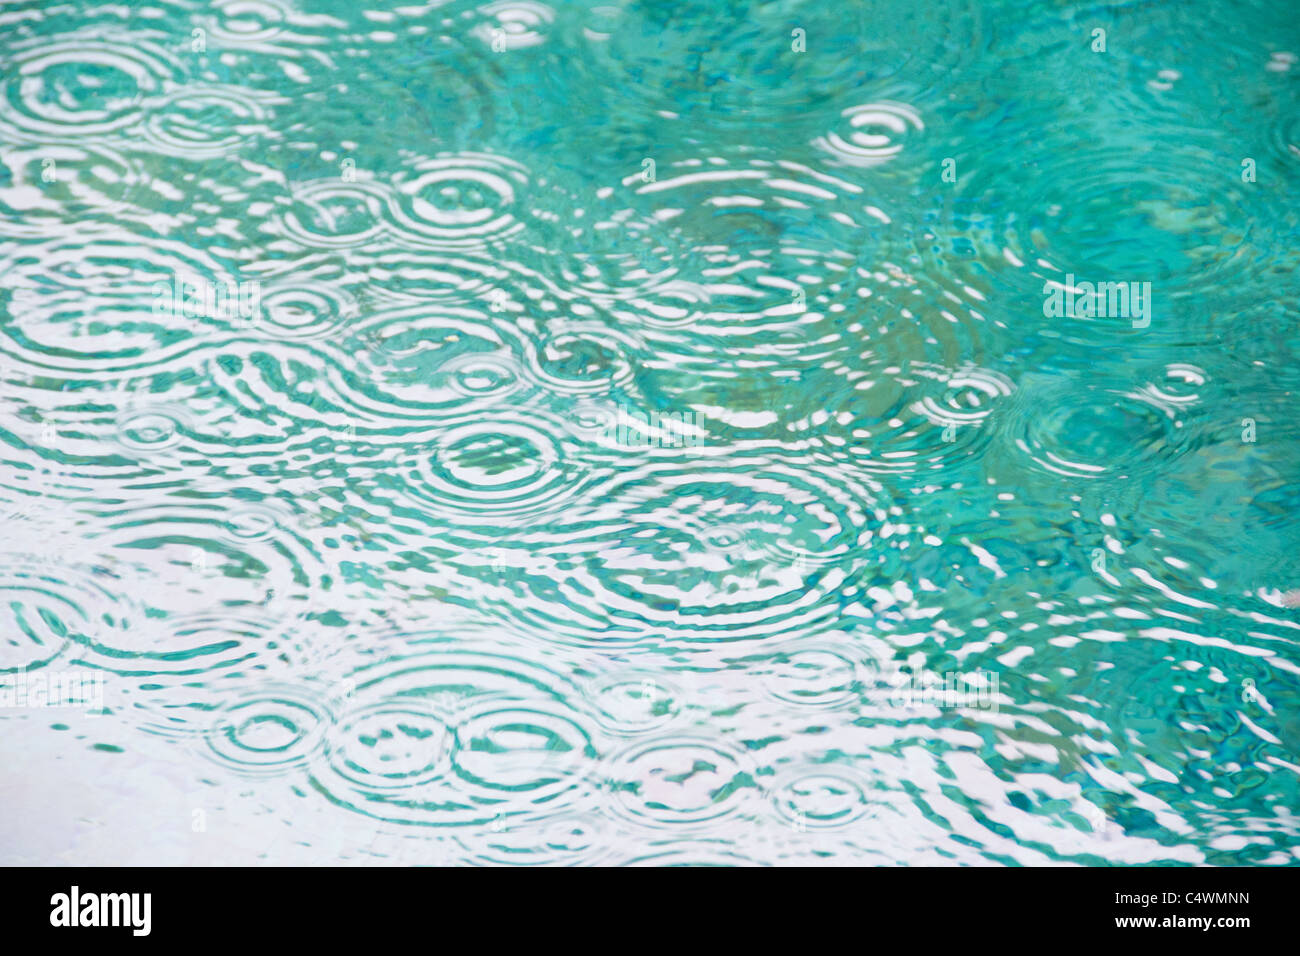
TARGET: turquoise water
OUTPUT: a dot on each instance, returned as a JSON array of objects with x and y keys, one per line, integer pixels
[{"x": 560, "y": 433}]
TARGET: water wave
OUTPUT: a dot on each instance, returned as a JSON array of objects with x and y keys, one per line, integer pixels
[{"x": 79, "y": 87}]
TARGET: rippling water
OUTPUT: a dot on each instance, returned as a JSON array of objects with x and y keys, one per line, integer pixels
[{"x": 640, "y": 433}]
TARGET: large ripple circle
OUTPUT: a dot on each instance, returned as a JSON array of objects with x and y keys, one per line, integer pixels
[
  {"x": 871, "y": 134},
  {"x": 269, "y": 731},
  {"x": 1098, "y": 433},
  {"x": 454, "y": 736},
  {"x": 679, "y": 782},
  {"x": 79, "y": 88},
  {"x": 822, "y": 797},
  {"x": 706, "y": 549},
  {"x": 454, "y": 202},
  {"x": 389, "y": 745},
  {"x": 502, "y": 468}
]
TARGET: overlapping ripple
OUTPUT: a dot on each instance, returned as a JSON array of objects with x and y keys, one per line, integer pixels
[
  {"x": 78, "y": 87},
  {"x": 450, "y": 738},
  {"x": 523, "y": 432},
  {"x": 750, "y": 548}
]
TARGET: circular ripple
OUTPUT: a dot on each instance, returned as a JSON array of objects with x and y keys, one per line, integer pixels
[
  {"x": 1096, "y": 433},
  {"x": 820, "y": 676},
  {"x": 719, "y": 183},
  {"x": 456, "y": 202},
  {"x": 967, "y": 397},
  {"x": 333, "y": 214},
  {"x": 911, "y": 419},
  {"x": 918, "y": 418},
  {"x": 514, "y": 24},
  {"x": 484, "y": 376},
  {"x": 706, "y": 853},
  {"x": 204, "y": 122},
  {"x": 633, "y": 702},
  {"x": 252, "y": 523},
  {"x": 100, "y": 304},
  {"x": 305, "y": 309},
  {"x": 246, "y": 21},
  {"x": 96, "y": 264},
  {"x": 729, "y": 540},
  {"x": 592, "y": 420},
  {"x": 189, "y": 543},
  {"x": 678, "y": 782},
  {"x": 760, "y": 326},
  {"x": 519, "y": 750},
  {"x": 79, "y": 87},
  {"x": 273, "y": 730},
  {"x": 422, "y": 277},
  {"x": 595, "y": 250},
  {"x": 458, "y": 738},
  {"x": 675, "y": 304},
  {"x": 389, "y": 745},
  {"x": 495, "y": 470},
  {"x": 152, "y": 428},
  {"x": 871, "y": 134},
  {"x": 821, "y": 797},
  {"x": 412, "y": 363},
  {"x": 1178, "y": 386},
  {"x": 738, "y": 208},
  {"x": 582, "y": 359},
  {"x": 706, "y": 550}
]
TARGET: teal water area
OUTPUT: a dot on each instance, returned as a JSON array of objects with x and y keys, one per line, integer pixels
[{"x": 648, "y": 433}]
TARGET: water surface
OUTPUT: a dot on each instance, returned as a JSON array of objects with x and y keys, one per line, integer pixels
[{"x": 576, "y": 433}]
